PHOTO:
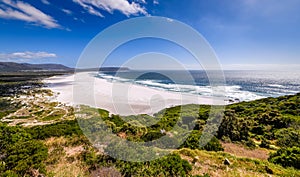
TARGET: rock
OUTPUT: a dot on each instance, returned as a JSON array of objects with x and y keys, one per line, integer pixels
[
  {"x": 269, "y": 170},
  {"x": 227, "y": 162},
  {"x": 195, "y": 159}
]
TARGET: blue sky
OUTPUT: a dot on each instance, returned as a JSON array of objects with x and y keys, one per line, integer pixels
[{"x": 246, "y": 34}]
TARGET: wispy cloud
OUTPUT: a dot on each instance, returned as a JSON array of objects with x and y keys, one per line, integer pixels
[
  {"x": 270, "y": 10},
  {"x": 125, "y": 7},
  {"x": 141, "y": 1},
  {"x": 156, "y": 2},
  {"x": 88, "y": 7},
  {"x": 23, "y": 11},
  {"x": 26, "y": 56},
  {"x": 68, "y": 12},
  {"x": 46, "y": 2}
]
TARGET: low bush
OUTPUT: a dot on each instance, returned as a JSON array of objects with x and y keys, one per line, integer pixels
[
  {"x": 193, "y": 142},
  {"x": 287, "y": 157}
]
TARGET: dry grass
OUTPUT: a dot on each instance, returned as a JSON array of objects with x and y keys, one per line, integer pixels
[
  {"x": 67, "y": 169},
  {"x": 212, "y": 163},
  {"x": 241, "y": 151},
  {"x": 63, "y": 159},
  {"x": 73, "y": 151},
  {"x": 215, "y": 167}
]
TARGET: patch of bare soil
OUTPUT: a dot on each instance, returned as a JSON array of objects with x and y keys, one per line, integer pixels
[{"x": 241, "y": 151}]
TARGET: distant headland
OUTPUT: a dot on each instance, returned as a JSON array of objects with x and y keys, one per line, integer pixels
[{"x": 27, "y": 67}]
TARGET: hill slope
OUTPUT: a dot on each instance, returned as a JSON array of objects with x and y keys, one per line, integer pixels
[{"x": 18, "y": 67}]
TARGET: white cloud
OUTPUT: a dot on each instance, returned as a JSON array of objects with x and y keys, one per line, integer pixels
[
  {"x": 26, "y": 55},
  {"x": 89, "y": 8},
  {"x": 156, "y": 2},
  {"x": 141, "y": 1},
  {"x": 68, "y": 12},
  {"x": 46, "y": 2},
  {"x": 23, "y": 11},
  {"x": 125, "y": 7}
]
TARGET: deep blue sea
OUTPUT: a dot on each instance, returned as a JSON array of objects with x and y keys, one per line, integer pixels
[{"x": 240, "y": 85}]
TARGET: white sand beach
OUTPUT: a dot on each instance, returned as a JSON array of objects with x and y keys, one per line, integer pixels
[{"x": 118, "y": 98}]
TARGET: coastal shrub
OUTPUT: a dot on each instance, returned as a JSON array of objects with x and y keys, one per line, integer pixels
[
  {"x": 204, "y": 112},
  {"x": 170, "y": 165},
  {"x": 264, "y": 143},
  {"x": 117, "y": 120},
  {"x": 134, "y": 128},
  {"x": 193, "y": 142},
  {"x": 19, "y": 153},
  {"x": 168, "y": 142},
  {"x": 9, "y": 173},
  {"x": 89, "y": 156},
  {"x": 258, "y": 129},
  {"x": 213, "y": 145},
  {"x": 234, "y": 128},
  {"x": 287, "y": 157},
  {"x": 189, "y": 121},
  {"x": 11, "y": 135},
  {"x": 205, "y": 175},
  {"x": 273, "y": 118},
  {"x": 288, "y": 137},
  {"x": 23, "y": 156},
  {"x": 199, "y": 124},
  {"x": 64, "y": 128},
  {"x": 249, "y": 143},
  {"x": 152, "y": 135}
]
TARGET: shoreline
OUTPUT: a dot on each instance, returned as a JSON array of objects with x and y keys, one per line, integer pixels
[{"x": 118, "y": 98}]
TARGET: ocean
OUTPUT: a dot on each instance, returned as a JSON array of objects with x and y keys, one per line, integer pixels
[{"x": 240, "y": 85}]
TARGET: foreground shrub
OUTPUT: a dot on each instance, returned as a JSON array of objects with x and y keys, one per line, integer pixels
[
  {"x": 264, "y": 143},
  {"x": 193, "y": 142},
  {"x": 64, "y": 128},
  {"x": 170, "y": 165},
  {"x": 19, "y": 153},
  {"x": 287, "y": 157},
  {"x": 288, "y": 137}
]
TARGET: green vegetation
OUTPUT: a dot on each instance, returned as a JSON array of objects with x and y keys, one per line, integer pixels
[
  {"x": 193, "y": 140},
  {"x": 288, "y": 137},
  {"x": 287, "y": 157},
  {"x": 266, "y": 118},
  {"x": 170, "y": 165},
  {"x": 64, "y": 128},
  {"x": 20, "y": 154}
]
